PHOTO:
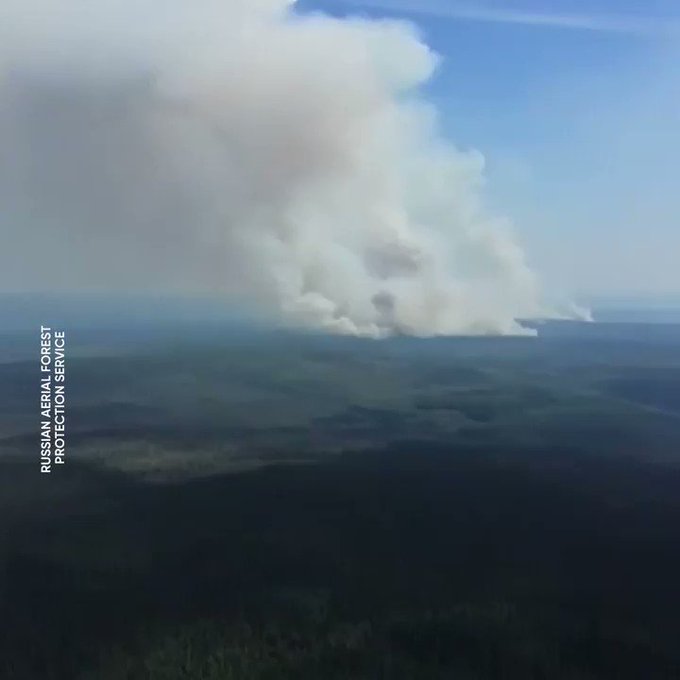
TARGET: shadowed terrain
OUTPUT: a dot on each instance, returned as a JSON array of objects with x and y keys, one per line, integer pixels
[{"x": 265, "y": 505}]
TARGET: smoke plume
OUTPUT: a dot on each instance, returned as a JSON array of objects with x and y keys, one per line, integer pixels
[{"x": 238, "y": 147}]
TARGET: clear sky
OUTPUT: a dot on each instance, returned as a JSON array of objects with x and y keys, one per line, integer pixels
[{"x": 575, "y": 105}]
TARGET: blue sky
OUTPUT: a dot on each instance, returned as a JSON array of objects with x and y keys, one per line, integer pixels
[{"x": 576, "y": 106}]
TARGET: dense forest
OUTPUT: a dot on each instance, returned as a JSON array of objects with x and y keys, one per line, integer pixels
[{"x": 270, "y": 506}]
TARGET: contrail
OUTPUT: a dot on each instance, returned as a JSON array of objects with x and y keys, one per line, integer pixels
[{"x": 636, "y": 26}]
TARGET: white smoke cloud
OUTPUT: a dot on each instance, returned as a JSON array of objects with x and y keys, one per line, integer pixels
[{"x": 234, "y": 146}]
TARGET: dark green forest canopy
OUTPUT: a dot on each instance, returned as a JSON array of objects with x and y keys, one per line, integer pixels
[{"x": 275, "y": 506}]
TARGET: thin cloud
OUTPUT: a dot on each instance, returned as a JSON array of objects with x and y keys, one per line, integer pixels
[{"x": 641, "y": 26}]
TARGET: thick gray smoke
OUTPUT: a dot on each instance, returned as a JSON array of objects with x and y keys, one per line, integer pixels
[{"x": 233, "y": 146}]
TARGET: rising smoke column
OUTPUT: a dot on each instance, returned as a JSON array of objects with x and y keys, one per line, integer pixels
[{"x": 237, "y": 147}]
